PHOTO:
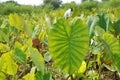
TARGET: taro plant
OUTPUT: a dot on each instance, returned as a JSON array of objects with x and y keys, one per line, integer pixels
[
  {"x": 70, "y": 49},
  {"x": 68, "y": 44}
]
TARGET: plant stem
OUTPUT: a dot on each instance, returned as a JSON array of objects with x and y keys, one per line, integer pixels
[
  {"x": 71, "y": 77},
  {"x": 100, "y": 70},
  {"x": 119, "y": 42}
]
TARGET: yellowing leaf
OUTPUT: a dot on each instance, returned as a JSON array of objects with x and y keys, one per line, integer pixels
[
  {"x": 2, "y": 76},
  {"x": 98, "y": 58},
  {"x": 8, "y": 64},
  {"x": 30, "y": 76},
  {"x": 16, "y": 21},
  {"x": 4, "y": 47},
  {"x": 82, "y": 67},
  {"x": 18, "y": 44}
]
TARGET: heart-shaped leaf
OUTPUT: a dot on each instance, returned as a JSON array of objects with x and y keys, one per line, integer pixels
[
  {"x": 68, "y": 44},
  {"x": 112, "y": 51}
]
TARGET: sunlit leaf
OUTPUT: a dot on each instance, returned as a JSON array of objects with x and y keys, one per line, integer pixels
[
  {"x": 82, "y": 67},
  {"x": 8, "y": 64},
  {"x": 31, "y": 75},
  {"x": 112, "y": 51},
  {"x": 68, "y": 44},
  {"x": 16, "y": 21},
  {"x": 2, "y": 76}
]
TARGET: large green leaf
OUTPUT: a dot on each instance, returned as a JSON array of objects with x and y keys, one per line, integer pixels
[
  {"x": 112, "y": 43},
  {"x": 37, "y": 59},
  {"x": 112, "y": 50},
  {"x": 104, "y": 21},
  {"x": 68, "y": 44}
]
